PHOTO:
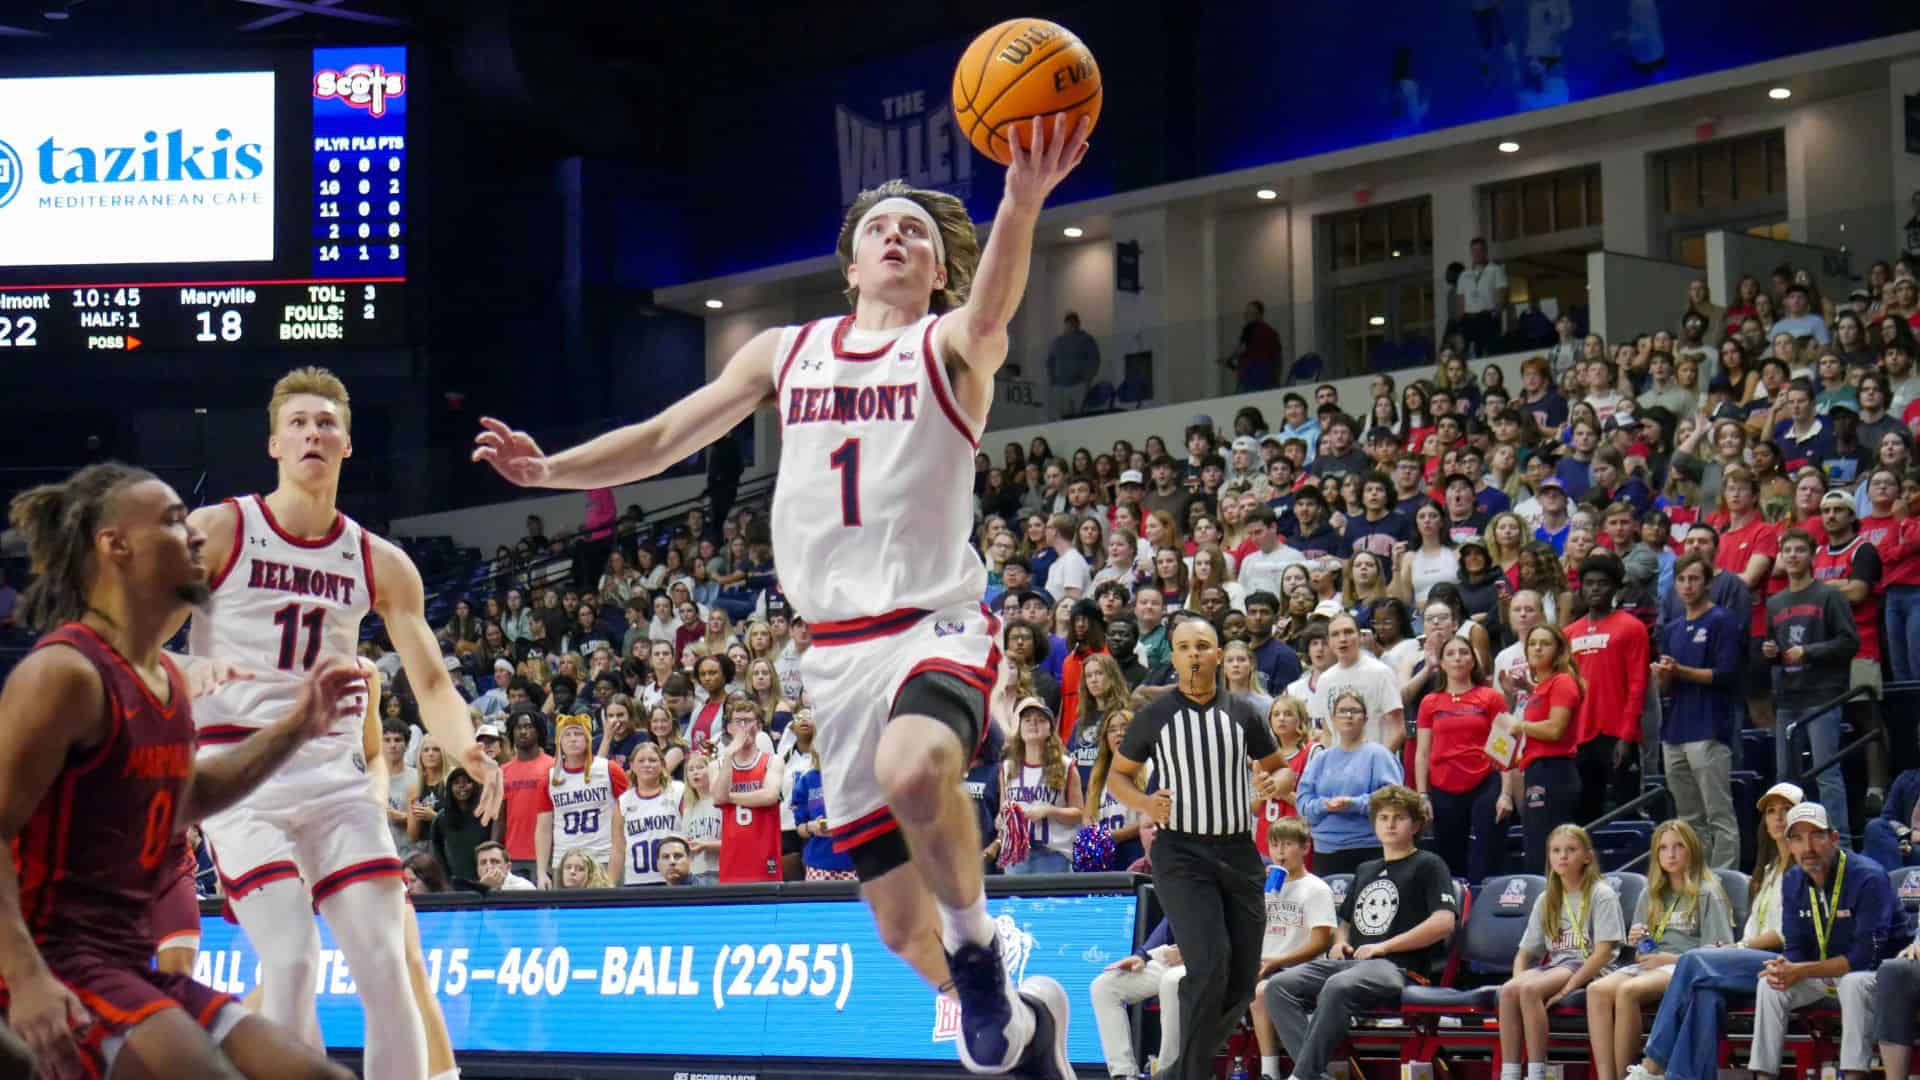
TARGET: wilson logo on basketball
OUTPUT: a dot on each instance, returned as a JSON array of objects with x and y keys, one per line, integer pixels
[{"x": 1017, "y": 50}]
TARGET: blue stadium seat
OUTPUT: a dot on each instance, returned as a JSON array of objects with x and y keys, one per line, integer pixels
[
  {"x": 1305, "y": 369},
  {"x": 1339, "y": 883},
  {"x": 1488, "y": 942},
  {"x": 1622, "y": 842},
  {"x": 1756, "y": 754},
  {"x": 1739, "y": 894},
  {"x": 1100, "y": 398},
  {"x": 1133, "y": 393}
]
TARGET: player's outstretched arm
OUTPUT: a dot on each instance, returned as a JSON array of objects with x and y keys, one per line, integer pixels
[
  {"x": 637, "y": 451},
  {"x": 332, "y": 696},
  {"x": 976, "y": 332},
  {"x": 52, "y": 703},
  {"x": 401, "y": 600}
]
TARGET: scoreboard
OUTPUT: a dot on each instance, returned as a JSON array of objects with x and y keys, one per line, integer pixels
[{"x": 265, "y": 206}]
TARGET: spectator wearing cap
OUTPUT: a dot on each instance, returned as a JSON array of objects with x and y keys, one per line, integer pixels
[
  {"x": 1554, "y": 522},
  {"x": 1810, "y": 643},
  {"x": 1339, "y": 455},
  {"x": 1131, "y": 490},
  {"x": 1243, "y": 460},
  {"x": 1698, "y": 669},
  {"x": 1847, "y": 461},
  {"x": 1611, "y": 650},
  {"x": 1038, "y": 776},
  {"x": 494, "y": 701},
  {"x": 1852, "y": 565},
  {"x": 1840, "y": 921},
  {"x": 488, "y": 735},
  {"x": 1072, "y": 361},
  {"x": 1299, "y": 423}
]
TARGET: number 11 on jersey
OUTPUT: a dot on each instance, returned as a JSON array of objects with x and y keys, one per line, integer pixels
[{"x": 846, "y": 461}]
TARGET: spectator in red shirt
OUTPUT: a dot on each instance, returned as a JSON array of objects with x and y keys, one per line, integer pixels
[
  {"x": 525, "y": 779},
  {"x": 1089, "y": 636},
  {"x": 1550, "y": 774},
  {"x": 1611, "y": 650},
  {"x": 1466, "y": 792},
  {"x": 1748, "y": 545}
]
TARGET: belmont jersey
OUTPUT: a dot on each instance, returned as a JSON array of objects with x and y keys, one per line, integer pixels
[
  {"x": 1856, "y": 560},
  {"x": 647, "y": 820},
  {"x": 749, "y": 835},
  {"x": 280, "y": 603},
  {"x": 581, "y": 801},
  {"x": 102, "y": 845},
  {"x": 1032, "y": 787},
  {"x": 875, "y": 491}
]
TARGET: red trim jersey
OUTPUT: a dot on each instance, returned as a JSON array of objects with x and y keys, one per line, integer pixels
[
  {"x": 875, "y": 492},
  {"x": 581, "y": 802},
  {"x": 1856, "y": 560},
  {"x": 280, "y": 603},
  {"x": 1611, "y": 653},
  {"x": 102, "y": 845},
  {"x": 749, "y": 835},
  {"x": 1272, "y": 810}
]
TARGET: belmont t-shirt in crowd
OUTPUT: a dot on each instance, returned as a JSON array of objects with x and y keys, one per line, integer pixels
[
  {"x": 1301, "y": 906},
  {"x": 1611, "y": 653},
  {"x": 1389, "y": 897}
]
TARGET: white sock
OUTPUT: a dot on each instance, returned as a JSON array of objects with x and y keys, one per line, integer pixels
[
  {"x": 967, "y": 926},
  {"x": 450, "y": 1074},
  {"x": 1269, "y": 1065},
  {"x": 1536, "y": 1070},
  {"x": 1510, "y": 1070}
]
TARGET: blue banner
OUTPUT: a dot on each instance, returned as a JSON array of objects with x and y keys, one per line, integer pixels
[{"x": 771, "y": 980}]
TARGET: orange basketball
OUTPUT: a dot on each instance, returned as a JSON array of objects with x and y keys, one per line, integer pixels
[{"x": 1016, "y": 71}]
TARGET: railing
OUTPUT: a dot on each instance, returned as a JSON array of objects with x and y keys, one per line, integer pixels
[{"x": 1878, "y": 733}]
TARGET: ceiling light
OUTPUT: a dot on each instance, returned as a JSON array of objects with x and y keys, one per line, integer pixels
[
  {"x": 716, "y": 304},
  {"x": 1266, "y": 193},
  {"x": 1779, "y": 93},
  {"x": 1377, "y": 320},
  {"x": 1073, "y": 232},
  {"x": 1508, "y": 147},
  {"x": 1396, "y": 253}
]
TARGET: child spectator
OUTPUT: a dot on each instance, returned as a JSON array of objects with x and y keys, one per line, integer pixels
[
  {"x": 579, "y": 870},
  {"x": 649, "y": 813},
  {"x": 1300, "y": 925},
  {"x": 1571, "y": 937},
  {"x": 1036, "y": 776},
  {"x": 701, "y": 816},
  {"x": 1274, "y": 793}
]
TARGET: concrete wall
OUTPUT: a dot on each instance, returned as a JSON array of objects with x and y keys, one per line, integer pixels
[
  {"x": 1903, "y": 78},
  {"x": 1629, "y": 294},
  {"x": 1732, "y": 254},
  {"x": 487, "y": 527},
  {"x": 1835, "y": 197}
]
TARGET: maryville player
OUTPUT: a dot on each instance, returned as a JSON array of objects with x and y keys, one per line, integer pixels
[
  {"x": 580, "y": 804},
  {"x": 880, "y": 413},
  {"x": 292, "y": 580},
  {"x": 98, "y": 781},
  {"x": 649, "y": 813},
  {"x": 745, "y": 779}
]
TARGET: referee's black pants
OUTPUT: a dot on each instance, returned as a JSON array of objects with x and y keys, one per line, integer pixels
[{"x": 1211, "y": 890}]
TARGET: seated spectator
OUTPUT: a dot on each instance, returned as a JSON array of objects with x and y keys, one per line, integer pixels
[
  {"x": 578, "y": 870},
  {"x": 1683, "y": 908},
  {"x": 1335, "y": 791},
  {"x": 1890, "y": 837},
  {"x": 676, "y": 861},
  {"x": 1571, "y": 937},
  {"x": 1151, "y": 971},
  {"x": 701, "y": 817},
  {"x": 495, "y": 873},
  {"x": 1300, "y": 923},
  {"x": 817, "y": 854},
  {"x": 424, "y": 874},
  {"x": 1037, "y": 777},
  {"x": 1395, "y": 921}
]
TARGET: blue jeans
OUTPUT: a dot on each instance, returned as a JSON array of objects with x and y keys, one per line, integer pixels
[
  {"x": 1685, "y": 1040},
  {"x": 1903, "y": 631},
  {"x": 1043, "y": 861},
  {"x": 1883, "y": 846},
  {"x": 1823, "y": 737}
]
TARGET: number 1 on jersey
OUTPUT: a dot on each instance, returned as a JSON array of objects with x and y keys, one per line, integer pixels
[{"x": 846, "y": 461}]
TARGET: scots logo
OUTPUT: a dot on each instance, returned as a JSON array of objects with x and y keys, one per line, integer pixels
[
  {"x": 1515, "y": 894},
  {"x": 948, "y": 627},
  {"x": 361, "y": 86},
  {"x": 1016, "y": 948},
  {"x": 11, "y": 174}
]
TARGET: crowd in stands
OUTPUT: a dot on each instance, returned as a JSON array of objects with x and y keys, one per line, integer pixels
[{"x": 1475, "y": 616}]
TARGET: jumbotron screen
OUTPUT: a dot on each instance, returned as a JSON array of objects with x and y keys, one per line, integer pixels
[{"x": 264, "y": 204}]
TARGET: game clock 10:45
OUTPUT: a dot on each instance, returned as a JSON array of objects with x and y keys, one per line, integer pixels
[{"x": 188, "y": 316}]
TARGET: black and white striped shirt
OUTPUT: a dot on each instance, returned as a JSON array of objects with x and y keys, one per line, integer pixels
[{"x": 1204, "y": 753}]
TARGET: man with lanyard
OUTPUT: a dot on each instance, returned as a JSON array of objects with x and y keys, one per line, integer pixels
[
  {"x": 1206, "y": 869},
  {"x": 1840, "y": 920}
]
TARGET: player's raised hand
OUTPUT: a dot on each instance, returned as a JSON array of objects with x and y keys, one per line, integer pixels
[
  {"x": 45, "y": 1013},
  {"x": 333, "y": 695},
  {"x": 513, "y": 454},
  {"x": 1037, "y": 169},
  {"x": 486, "y": 772}
]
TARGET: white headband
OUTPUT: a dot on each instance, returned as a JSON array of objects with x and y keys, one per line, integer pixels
[{"x": 900, "y": 205}]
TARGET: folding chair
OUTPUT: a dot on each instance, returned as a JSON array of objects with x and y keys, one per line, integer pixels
[{"x": 1488, "y": 941}]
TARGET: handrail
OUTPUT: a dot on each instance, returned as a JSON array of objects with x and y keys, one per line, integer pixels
[
  {"x": 1879, "y": 732},
  {"x": 1634, "y": 803}
]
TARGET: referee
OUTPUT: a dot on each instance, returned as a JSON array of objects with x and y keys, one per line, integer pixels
[{"x": 1206, "y": 870}]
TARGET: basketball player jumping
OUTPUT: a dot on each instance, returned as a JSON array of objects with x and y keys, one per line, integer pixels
[
  {"x": 880, "y": 414},
  {"x": 293, "y": 579},
  {"x": 98, "y": 781}
]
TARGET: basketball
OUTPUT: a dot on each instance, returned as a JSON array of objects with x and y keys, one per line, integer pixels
[{"x": 1016, "y": 71}]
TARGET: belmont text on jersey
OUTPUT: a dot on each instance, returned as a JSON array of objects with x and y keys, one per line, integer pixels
[
  {"x": 746, "y": 787},
  {"x": 306, "y": 581},
  {"x": 849, "y": 404},
  {"x": 575, "y": 796}
]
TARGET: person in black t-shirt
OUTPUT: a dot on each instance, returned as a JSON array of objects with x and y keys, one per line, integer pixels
[
  {"x": 1394, "y": 925},
  {"x": 1206, "y": 870}
]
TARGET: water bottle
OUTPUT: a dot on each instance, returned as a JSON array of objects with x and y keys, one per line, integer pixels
[
  {"x": 1239, "y": 1069},
  {"x": 1276, "y": 878}
]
